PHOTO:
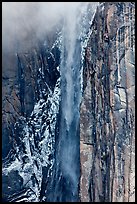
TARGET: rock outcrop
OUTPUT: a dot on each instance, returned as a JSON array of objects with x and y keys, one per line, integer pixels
[{"x": 107, "y": 114}]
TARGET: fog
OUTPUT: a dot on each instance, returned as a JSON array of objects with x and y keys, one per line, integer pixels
[{"x": 25, "y": 22}]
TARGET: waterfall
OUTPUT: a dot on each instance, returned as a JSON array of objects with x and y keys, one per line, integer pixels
[
  {"x": 69, "y": 137},
  {"x": 47, "y": 143},
  {"x": 70, "y": 89}
]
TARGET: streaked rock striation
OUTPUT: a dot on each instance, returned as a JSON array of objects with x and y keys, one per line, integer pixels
[{"x": 107, "y": 114}]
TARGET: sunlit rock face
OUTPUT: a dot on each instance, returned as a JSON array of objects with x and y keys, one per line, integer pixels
[{"x": 107, "y": 114}]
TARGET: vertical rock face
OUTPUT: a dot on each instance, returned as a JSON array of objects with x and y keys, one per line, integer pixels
[
  {"x": 107, "y": 114},
  {"x": 69, "y": 110},
  {"x": 25, "y": 78},
  {"x": 35, "y": 105}
]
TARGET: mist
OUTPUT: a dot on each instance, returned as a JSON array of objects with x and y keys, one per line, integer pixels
[{"x": 23, "y": 23}]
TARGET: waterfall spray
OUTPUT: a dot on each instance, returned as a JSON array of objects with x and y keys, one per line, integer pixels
[{"x": 69, "y": 136}]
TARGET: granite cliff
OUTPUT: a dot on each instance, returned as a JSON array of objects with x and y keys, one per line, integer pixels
[
  {"x": 68, "y": 110},
  {"x": 107, "y": 114}
]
